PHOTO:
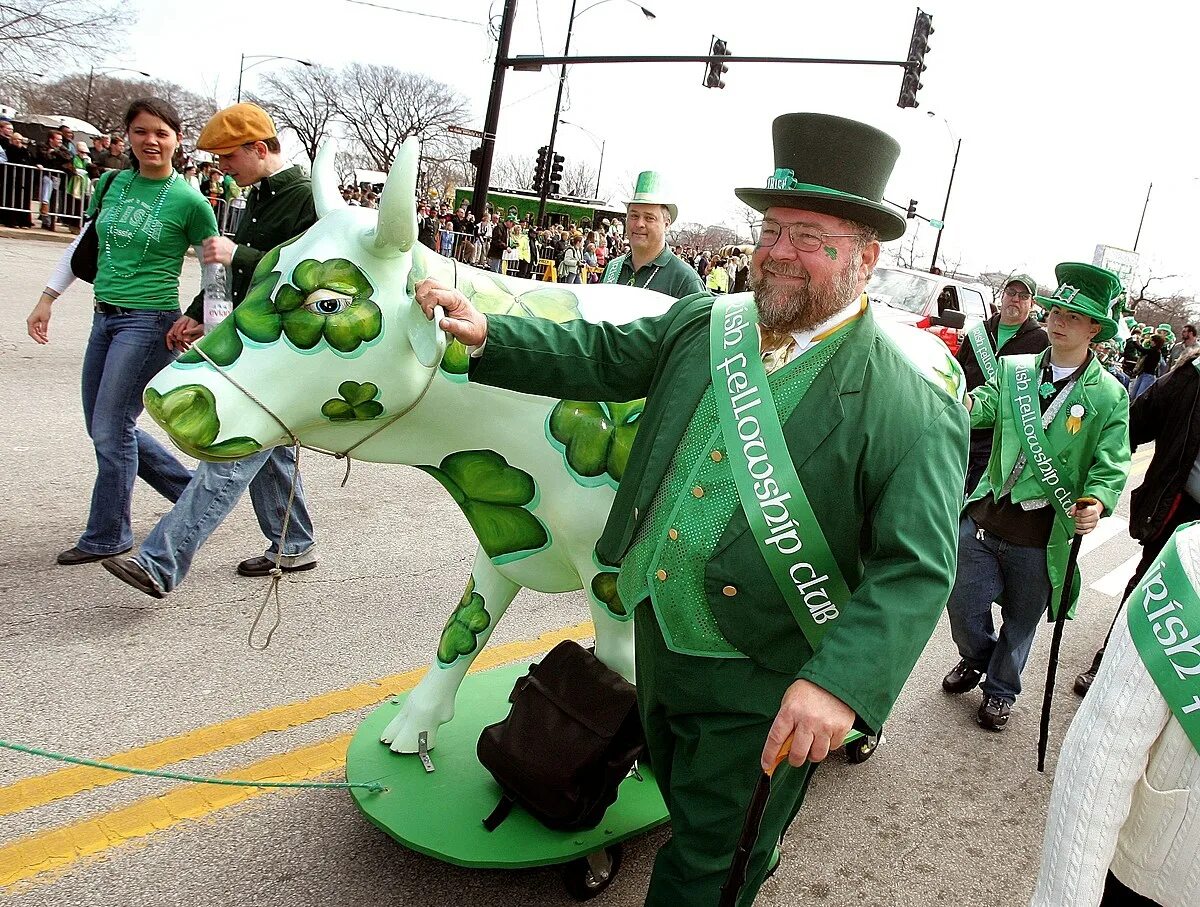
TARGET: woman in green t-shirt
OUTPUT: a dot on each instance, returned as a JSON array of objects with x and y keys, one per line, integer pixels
[{"x": 147, "y": 218}]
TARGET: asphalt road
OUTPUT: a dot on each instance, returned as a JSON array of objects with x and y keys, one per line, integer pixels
[{"x": 943, "y": 813}]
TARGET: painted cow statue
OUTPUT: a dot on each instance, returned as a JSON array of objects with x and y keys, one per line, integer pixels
[{"x": 329, "y": 348}]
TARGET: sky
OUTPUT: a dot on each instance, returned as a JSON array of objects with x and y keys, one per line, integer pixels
[{"x": 1067, "y": 111}]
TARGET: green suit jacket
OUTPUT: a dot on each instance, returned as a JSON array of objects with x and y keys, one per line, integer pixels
[
  {"x": 1093, "y": 462},
  {"x": 881, "y": 454}
]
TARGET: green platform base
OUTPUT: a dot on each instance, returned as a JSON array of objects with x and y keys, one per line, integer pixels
[{"x": 441, "y": 814}]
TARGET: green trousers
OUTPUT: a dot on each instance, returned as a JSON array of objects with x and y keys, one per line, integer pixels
[{"x": 706, "y": 720}]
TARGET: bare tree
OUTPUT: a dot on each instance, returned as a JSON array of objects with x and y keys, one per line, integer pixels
[
  {"x": 513, "y": 171},
  {"x": 33, "y": 32},
  {"x": 302, "y": 99},
  {"x": 110, "y": 98},
  {"x": 346, "y": 162},
  {"x": 578, "y": 180},
  {"x": 383, "y": 106}
]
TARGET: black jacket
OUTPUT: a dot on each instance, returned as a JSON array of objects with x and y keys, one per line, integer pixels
[
  {"x": 1029, "y": 338},
  {"x": 1166, "y": 414}
]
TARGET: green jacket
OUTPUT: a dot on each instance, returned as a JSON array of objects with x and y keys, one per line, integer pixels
[
  {"x": 881, "y": 454},
  {"x": 1093, "y": 462},
  {"x": 279, "y": 208},
  {"x": 667, "y": 273}
]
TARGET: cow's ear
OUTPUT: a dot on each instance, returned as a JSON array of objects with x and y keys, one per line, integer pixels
[{"x": 426, "y": 336}]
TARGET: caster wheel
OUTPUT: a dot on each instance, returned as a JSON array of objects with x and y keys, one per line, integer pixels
[
  {"x": 860, "y": 750},
  {"x": 589, "y": 876}
]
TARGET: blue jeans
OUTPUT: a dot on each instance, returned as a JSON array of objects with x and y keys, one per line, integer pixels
[
  {"x": 1141, "y": 384},
  {"x": 988, "y": 568},
  {"x": 123, "y": 353},
  {"x": 167, "y": 552}
]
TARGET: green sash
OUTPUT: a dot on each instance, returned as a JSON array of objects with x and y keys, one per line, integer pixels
[
  {"x": 612, "y": 270},
  {"x": 981, "y": 344},
  {"x": 1164, "y": 621},
  {"x": 1028, "y": 415},
  {"x": 776, "y": 507}
]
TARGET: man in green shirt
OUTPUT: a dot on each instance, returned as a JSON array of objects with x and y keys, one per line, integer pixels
[
  {"x": 650, "y": 263},
  {"x": 1010, "y": 332},
  {"x": 280, "y": 208}
]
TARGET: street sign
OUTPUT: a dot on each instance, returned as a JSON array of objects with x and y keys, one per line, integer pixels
[
  {"x": 936, "y": 224},
  {"x": 463, "y": 130}
]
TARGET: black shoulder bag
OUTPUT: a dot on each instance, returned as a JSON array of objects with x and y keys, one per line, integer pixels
[{"x": 87, "y": 253}]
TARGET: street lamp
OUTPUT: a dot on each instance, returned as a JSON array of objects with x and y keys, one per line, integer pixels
[
  {"x": 263, "y": 58},
  {"x": 562, "y": 81},
  {"x": 603, "y": 143},
  {"x": 87, "y": 104},
  {"x": 945, "y": 207}
]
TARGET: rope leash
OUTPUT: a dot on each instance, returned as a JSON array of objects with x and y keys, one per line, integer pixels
[{"x": 371, "y": 786}]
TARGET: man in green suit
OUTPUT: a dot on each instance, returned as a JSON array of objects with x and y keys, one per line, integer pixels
[
  {"x": 727, "y": 668},
  {"x": 1061, "y": 432}
]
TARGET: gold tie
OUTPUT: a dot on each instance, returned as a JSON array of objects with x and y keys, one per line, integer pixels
[{"x": 777, "y": 358}]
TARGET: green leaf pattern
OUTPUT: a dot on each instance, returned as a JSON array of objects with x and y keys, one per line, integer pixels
[
  {"x": 596, "y": 437},
  {"x": 357, "y": 403},
  {"x": 461, "y": 634}
]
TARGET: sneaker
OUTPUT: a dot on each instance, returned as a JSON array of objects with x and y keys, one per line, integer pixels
[
  {"x": 993, "y": 713},
  {"x": 962, "y": 677},
  {"x": 1083, "y": 682}
]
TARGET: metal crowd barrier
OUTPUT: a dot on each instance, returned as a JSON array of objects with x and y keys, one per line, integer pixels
[{"x": 24, "y": 187}]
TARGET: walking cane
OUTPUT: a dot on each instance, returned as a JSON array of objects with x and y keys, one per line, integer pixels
[
  {"x": 736, "y": 879},
  {"x": 1060, "y": 621}
]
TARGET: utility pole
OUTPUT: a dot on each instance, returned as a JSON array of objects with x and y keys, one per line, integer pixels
[
  {"x": 544, "y": 189},
  {"x": 487, "y": 148},
  {"x": 937, "y": 244},
  {"x": 1143, "y": 220}
]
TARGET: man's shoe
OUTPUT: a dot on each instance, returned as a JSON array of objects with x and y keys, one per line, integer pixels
[
  {"x": 128, "y": 570},
  {"x": 962, "y": 677},
  {"x": 262, "y": 566},
  {"x": 1083, "y": 682},
  {"x": 993, "y": 713},
  {"x": 73, "y": 557}
]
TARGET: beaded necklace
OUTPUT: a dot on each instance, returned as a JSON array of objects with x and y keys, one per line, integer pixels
[{"x": 128, "y": 234}]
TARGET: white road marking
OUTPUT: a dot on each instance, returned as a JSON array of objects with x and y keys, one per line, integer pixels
[
  {"x": 1105, "y": 530},
  {"x": 1113, "y": 583}
]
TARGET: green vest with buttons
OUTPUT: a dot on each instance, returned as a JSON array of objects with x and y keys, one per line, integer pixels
[{"x": 691, "y": 508}]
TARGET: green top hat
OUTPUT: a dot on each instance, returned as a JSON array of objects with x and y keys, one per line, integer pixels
[
  {"x": 1090, "y": 291},
  {"x": 831, "y": 165},
  {"x": 649, "y": 191},
  {"x": 1164, "y": 327}
]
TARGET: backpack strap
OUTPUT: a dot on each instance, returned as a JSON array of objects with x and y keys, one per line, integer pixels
[{"x": 500, "y": 813}]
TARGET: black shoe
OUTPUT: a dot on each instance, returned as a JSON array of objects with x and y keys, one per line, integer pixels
[
  {"x": 962, "y": 677},
  {"x": 128, "y": 570},
  {"x": 1083, "y": 682},
  {"x": 73, "y": 557},
  {"x": 262, "y": 566},
  {"x": 993, "y": 713}
]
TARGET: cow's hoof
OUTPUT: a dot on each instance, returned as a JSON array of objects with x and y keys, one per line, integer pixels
[{"x": 403, "y": 733}]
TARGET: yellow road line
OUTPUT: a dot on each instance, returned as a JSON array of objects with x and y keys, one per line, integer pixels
[
  {"x": 42, "y": 789},
  {"x": 58, "y": 849}
]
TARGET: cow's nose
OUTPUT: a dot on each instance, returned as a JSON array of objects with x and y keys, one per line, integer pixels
[{"x": 188, "y": 414}]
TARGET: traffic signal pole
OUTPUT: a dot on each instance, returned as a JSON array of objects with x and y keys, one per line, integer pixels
[
  {"x": 487, "y": 147},
  {"x": 937, "y": 243},
  {"x": 544, "y": 189}
]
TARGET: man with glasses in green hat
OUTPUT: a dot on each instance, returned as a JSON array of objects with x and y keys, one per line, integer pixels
[
  {"x": 786, "y": 522},
  {"x": 650, "y": 263},
  {"x": 1012, "y": 331},
  {"x": 1061, "y": 433}
]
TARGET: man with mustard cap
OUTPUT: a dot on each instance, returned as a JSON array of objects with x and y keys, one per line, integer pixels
[
  {"x": 1060, "y": 426},
  {"x": 785, "y": 526},
  {"x": 280, "y": 207},
  {"x": 650, "y": 263}
]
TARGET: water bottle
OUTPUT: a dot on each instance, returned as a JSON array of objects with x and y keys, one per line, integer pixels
[{"x": 214, "y": 282}]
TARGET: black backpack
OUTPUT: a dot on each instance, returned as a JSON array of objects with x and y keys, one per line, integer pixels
[{"x": 571, "y": 737}]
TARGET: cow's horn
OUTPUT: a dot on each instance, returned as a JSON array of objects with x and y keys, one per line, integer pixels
[
  {"x": 397, "y": 230},
  {"x": 326, "y": 197}
]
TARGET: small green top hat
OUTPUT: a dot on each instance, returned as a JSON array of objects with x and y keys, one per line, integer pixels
[
  {"x": 1090, "y": 291},
  {"x": 649, "y": 191},
  {"x": 831, "y": 165}
]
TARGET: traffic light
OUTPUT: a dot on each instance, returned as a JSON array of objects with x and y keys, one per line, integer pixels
[
  {"x": 475, "y": 156},
  {"x": 912, "y": 208},
  {"x": 910, "y": 84},
  {"x": 556, "y": 172},
  {"x": 540, "y": 169},
  {"x": 712, "y": 75}
]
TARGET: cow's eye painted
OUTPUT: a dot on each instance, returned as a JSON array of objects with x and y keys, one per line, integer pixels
[{"x": 327, "y": 305}]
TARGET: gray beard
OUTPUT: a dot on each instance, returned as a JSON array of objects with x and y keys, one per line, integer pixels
[{"x": 784, "y": 310}]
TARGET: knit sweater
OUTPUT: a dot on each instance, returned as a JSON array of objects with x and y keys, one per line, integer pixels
[{"x": 1127, "y": 788}]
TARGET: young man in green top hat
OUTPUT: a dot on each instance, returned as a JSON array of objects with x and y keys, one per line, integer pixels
[
  {"x": 650, "y": 263},
  {"x": 736, "y": 652},
  {"x": 1060, "y": 433},
  {"x": 1012, "y": 331}
]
